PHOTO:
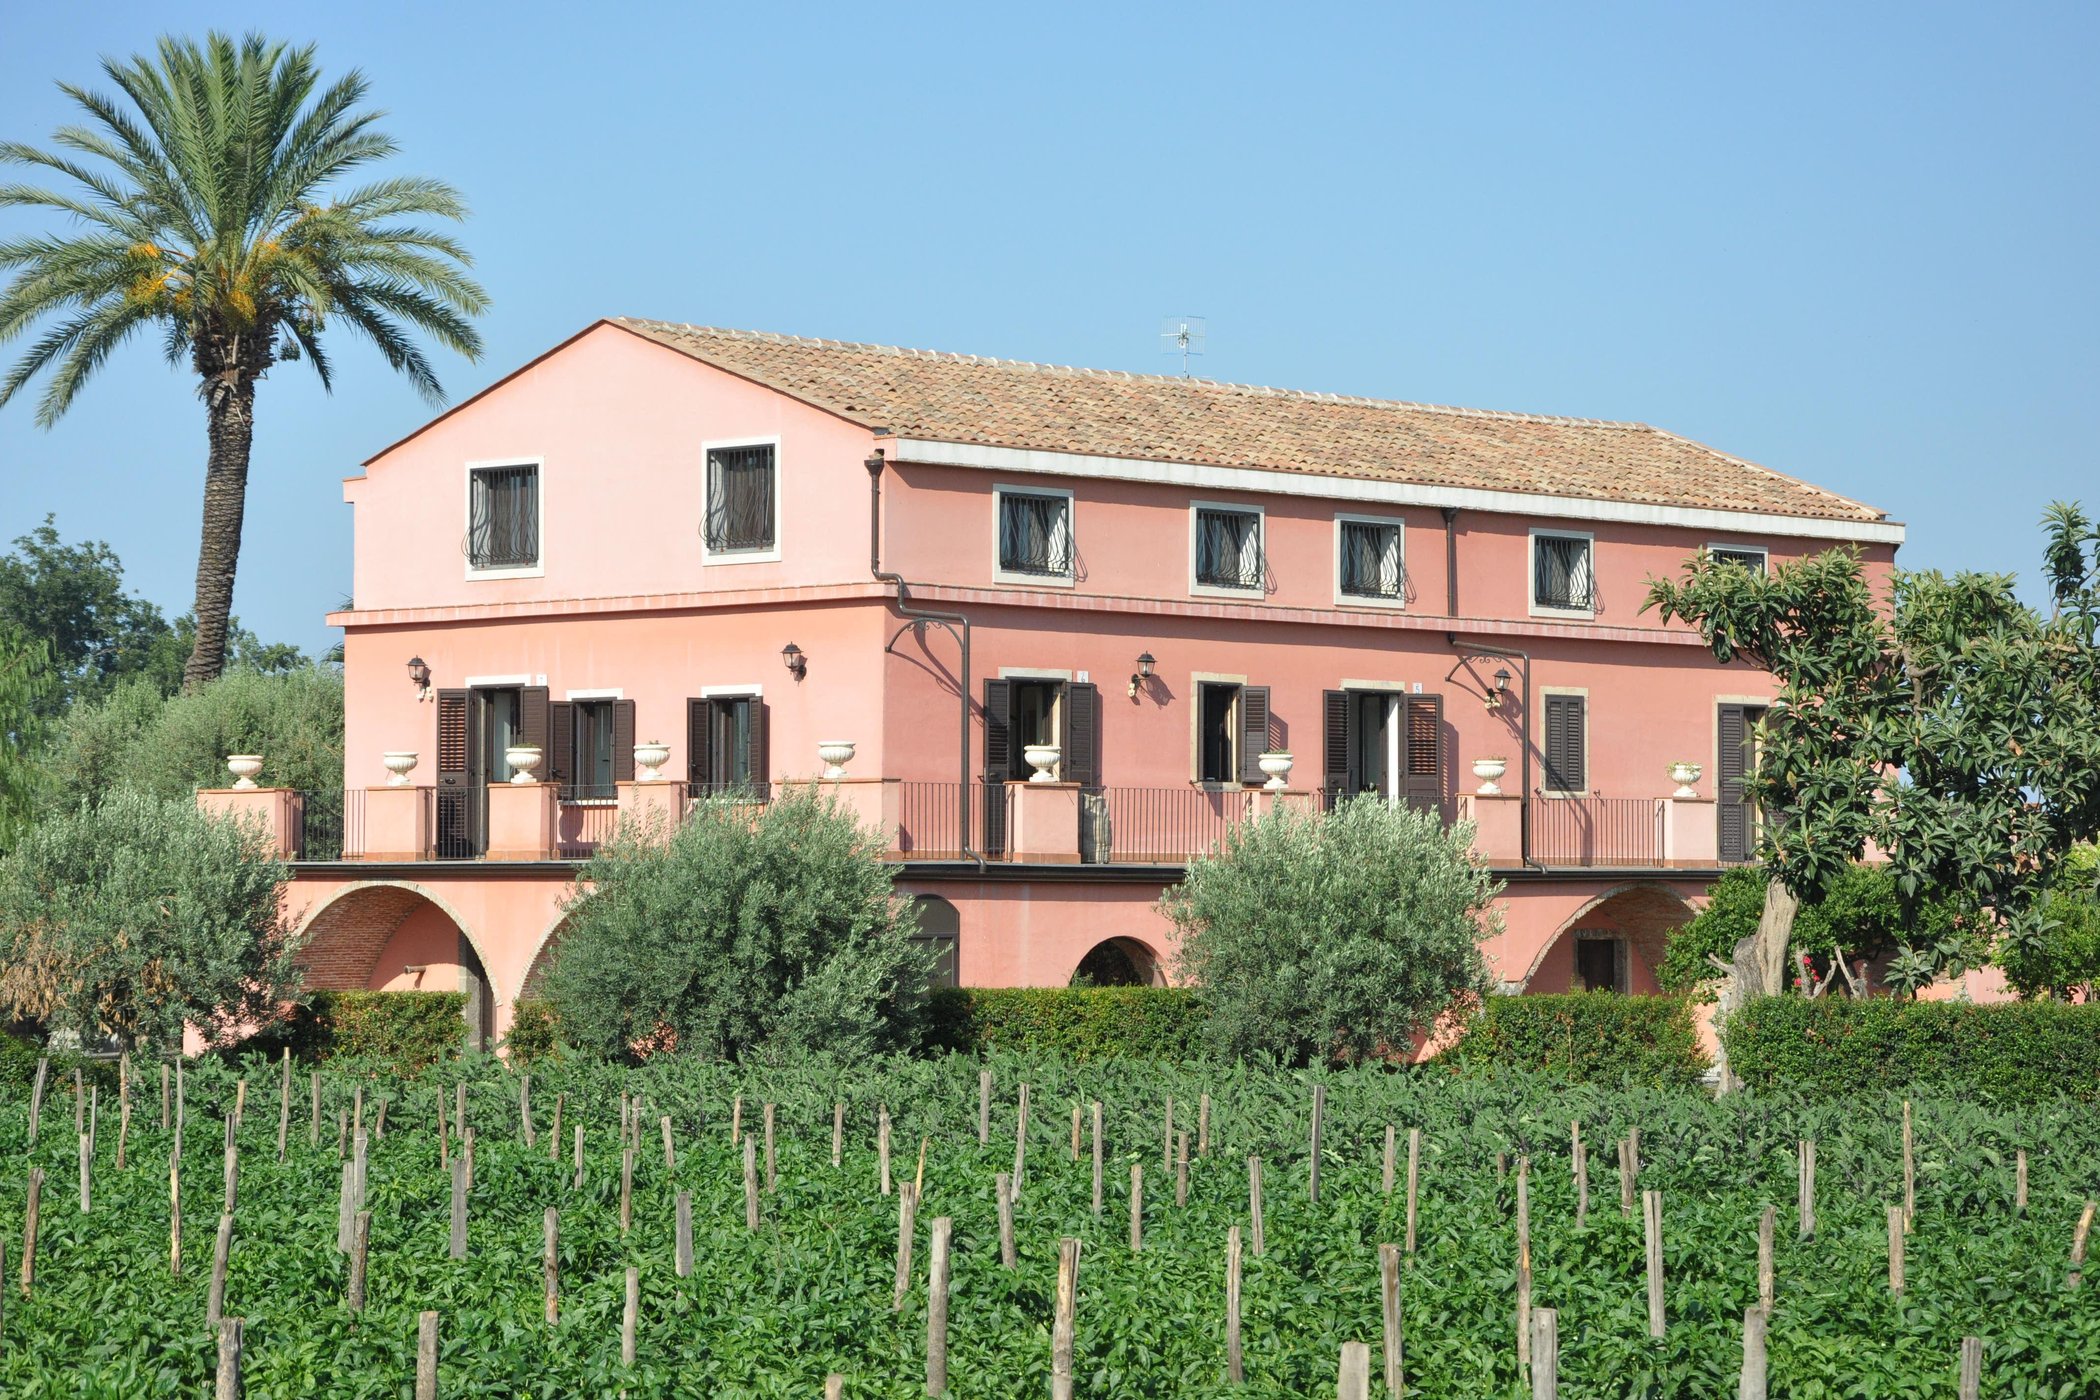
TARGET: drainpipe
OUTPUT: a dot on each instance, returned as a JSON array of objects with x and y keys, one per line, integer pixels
[
  {"x": 1473, "y": 649},
  {"x": 954, "y": 623},
  {"x": 1451, "y": 562}
]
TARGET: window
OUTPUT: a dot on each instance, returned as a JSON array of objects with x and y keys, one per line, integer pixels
[
  {"x": 591, "y": 723},
  {"x": 1035, "y": 534},
  {"x": 1386, "y": 742},
  {"x": 1566, "y": 748},
  {"x": 939, "y": 928},
  {"x": 726, "y": 745},
  {"x": 1746, "y": 556},
  {"x": 1232, "y": 732},
  {"x": 1368, "y": 559},
  {"x": 1600, "y": 961},
  {"x": 742, "y": 499},
  {"x": 503, "y": 517},
  {"x": 1228, "y": 548},
  {"x": 1561, "y": 575}
]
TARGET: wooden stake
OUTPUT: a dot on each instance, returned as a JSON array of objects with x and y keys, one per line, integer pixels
[
  {"x": 342, "y": 1134},
  {"x": 86, "y": 1173},
  {"x": 626, "y": 1188},
  {"x": 284, "y": 1110},
  {"x": 313, "y": 1093},
  {"x": 174, "y": 1213},
  {"x": 1002, "y": 1196},
  {"x": 226, "y": 1385},
  {"x": 1077, "y": 1133},
  {"x": 459, "y": 1110},
  {"x": 2020, "y": 1182},
  {"x": 1805, "y": 1202},
  {"x": 1021, "y": 1142},
  {"x": 682, "y": 1260},
  {"x": 1895, "y": 1249},
  {"x": 1319, "y": 1109},
  {"x": 466, "y": 1154},
  {"x": 36, "y": 1097},
  {"x": 1628, "y": 1171},
  {"x": 882, "y": 1144},
  {"x": 918, "y": 1178},
  {"x": 550, "y": 1263},
  {"x": 1545, "y": 1354},
  {"x": 576, "y": 1183},
  {"x": 1137, "y": 1207},
  {"x": 32, "y": 1212},
  {"x": 1181, "y": 1171},
  {"x": 1414, "y": 1178},
  {"x": 937, "y": 1307},
  {"x": 984, "y": 1108},
  {"x": 2078, "y": 1239},
  {"x": 39, "y": 1098},
  {"x": 1652, "y": 1220},
  {"x": 554, "y": 1132},
  {"x": 360, "y": 1243},
  {"x": 1254, "y": 1205},
  {"x": 1203, "y": 1126},
  {"x": 80, "y": 1104},
  {"x": 459, "y": 1208},
  {"x": 525, "y": 1110},
  {"x": 1970, "y": 1386},
  {"x": 670, "y": 1156},
  {"x": 1097, "y": 1156},
  {"x": 1233, "y": 1370},
  {"x": 232, "y": 1168},
  {"x": 907, "y": 1203},
  {"x": 1064, "y": 1320},
  {"x": 345, "y": 1208},
  {"x": 838, "y": 1132},
  {"x": 773, "y": 1179},
  {"x": 1166, "y": 1142},
  {"x": 751, "y": 1183},
  {"x": 1579, "y": 1155},
  {"x": 834, "y": 1387},
  {"x": 1910, "y": 1175},
  {"x": 630, "y": 1315},
  {"x": 1353, "y": 1375},
  {"x": 1764, "y": 1259},
  {"x": 1524, "y": 1336},
  {"x": 426, "y": 1356},
  {"x": 1752, "y": 1385},
  {"x": 357, "y": 1108},
  {"x": 1389, "y": 1298},
  {"x": 736, "y": 1120},
  {"x": 123, "y": 1127}
]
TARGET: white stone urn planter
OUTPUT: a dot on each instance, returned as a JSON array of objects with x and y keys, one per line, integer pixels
[
  {"x": 522, "y": 758},
  {"x": 1684, "y": 775},
  {"x": 399, "y": 763},
  {"x": 835, "y": 755},
  {"x": 1489, "y": 771},
  {"x": 1043, "y": 759},
  {"x": 649, "y": 760},
  {"x": 1276, "y": 763},
  {"x": 244, "y": 767}
]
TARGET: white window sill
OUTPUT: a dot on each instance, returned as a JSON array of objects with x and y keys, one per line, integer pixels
[
  {"x": 740, "y": 556},
  {"x": 1588, "y": 614},
  {"x": 1212, "y": 590},
  {"x": 529, "y": 571},
  {"x": 1034, "y": 580},
  {"x": 1368, "y": 600}
]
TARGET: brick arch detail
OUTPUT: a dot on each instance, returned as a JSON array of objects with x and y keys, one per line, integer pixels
[
  {"x": 1148, "y": 959},
  {"x": 541, "y": 952},
  {"x": 389, "y": 908},
  {"x": 1647, "y": 937}
]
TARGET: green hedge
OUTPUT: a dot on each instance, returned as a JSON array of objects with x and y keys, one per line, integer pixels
[
  {"x": 2012, "y": 1051},
  {"x": 1077, "y": 1023},
  {"x": 409, "y": 1031},
  {"x": 533, "y": 1032},
  {"x": 1601, "y": 1037},
  {"x": 18, "y": 1059}
]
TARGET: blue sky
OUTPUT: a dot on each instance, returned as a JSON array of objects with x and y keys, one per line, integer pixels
[{"x": 1851, "y": 242}]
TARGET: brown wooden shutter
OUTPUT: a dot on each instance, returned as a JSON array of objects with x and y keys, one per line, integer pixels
[
  {"x": 761, "y": 771},
  {"x": 1082, "y": 734},
  {"x": 1422, "y": 768},
  {"x": 623, "y": 741},
  {"x": 1254, "y": 731},
  {"x": 1732, "y": 810},
  {"x": 454, "y": 834},
  {"x": 1338, "y": 745},
  {"x": 698, "y": 770},
  {"x": 998, "y": 731},
  {"x": 561, "y": 742},
  {"x": 533, "y": 718},
  {"x": 1565, "y": 721}
]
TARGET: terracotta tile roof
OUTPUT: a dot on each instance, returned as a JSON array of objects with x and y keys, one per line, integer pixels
[{"x": 1010, "y": 403}]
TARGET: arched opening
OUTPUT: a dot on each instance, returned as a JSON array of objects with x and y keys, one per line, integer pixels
[
  {"x": 939, "y": 926},
  {"x": 1614, "y": 943},
  {"x": 1117, "y": 962},
  {"x": 396, "y": 938}
]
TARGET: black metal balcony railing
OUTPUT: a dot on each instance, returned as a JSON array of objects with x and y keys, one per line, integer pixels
[
  {"x": 1596, "y": 831},
  {"x": 331, "y": 825},
  {"x": 1158, "y": 826},
  {"x": 585, "y": 819}
]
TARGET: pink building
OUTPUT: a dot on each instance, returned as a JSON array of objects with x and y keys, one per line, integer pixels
[{"x": 1070, "y": 623}]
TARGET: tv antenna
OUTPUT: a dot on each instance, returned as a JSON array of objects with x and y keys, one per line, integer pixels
[{"x": 1184, "y": 336}]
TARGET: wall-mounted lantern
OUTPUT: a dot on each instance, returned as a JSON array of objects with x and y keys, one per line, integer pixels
[
  {"x": 1501, "y": 690},
  {"x": 798, "y": 664},
  {"x": 419, "y": 672},
  {"x": 1145, "y": 663}
]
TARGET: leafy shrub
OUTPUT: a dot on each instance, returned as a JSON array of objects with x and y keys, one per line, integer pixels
[
  {"x": 18, "y": 1059},
  {"x": 2014, "y": 1051},
  {"x": 406, "y": 1031},
  {"x": 2065, "y": 958},
  {"x": 1075, "y": 1023},
  {"x": 740, "y": 933},
  {"x": 535, "y": 1034},
  {"x": 135, "y": 917},
  {"x": 1586, "y": 1037},
  {"x": 1860, "y": 913},
  {"x": 1315, "y": 937}
]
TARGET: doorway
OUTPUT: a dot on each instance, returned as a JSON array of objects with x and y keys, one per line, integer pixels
[{"x": 1600, "y": 961}]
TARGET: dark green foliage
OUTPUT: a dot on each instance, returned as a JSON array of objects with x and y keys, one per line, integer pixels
[
  {"x": 407, "y": 1032},
  {"x": 535, "y": 1032},
  {"x": 19, "y": 1055},
  {"x": 1860, "y": 912},
  {"x": 2016, "y": 1052},
  {"x": 1586, "y": 1037},
  {"x": 1074, "y": 1023},
  {"x": 2065, "y": 958}
]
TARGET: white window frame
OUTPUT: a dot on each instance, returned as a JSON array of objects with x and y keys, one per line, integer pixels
[
  {"x": 1344, "y": 599},
  {"x": 1531, "y": 571},
  {"x": 732, "y": 692},
  {"x": 744, "y": 556},
  {"x": 1261, "y": 549},
  {"x": 1764, "y": 555},
  {"x": 1069, "y": 578},
  {"x": 1197, "y": 680},
  {"x": 466, "y": 515},
  {"x": 1583, "y": 692}
]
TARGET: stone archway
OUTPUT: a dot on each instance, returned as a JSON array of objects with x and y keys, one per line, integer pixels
[
  {"x": 1119, "y": 962},
  {"x": 1614, "y": 941},
  {"x": 396, "y": 936}
]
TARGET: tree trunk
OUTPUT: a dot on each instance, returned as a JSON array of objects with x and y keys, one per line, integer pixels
[
  {"x": 1775, "y": 928},
  {"x": 230, "y": 410}
]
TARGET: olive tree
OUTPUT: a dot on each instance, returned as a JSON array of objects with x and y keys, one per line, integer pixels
[
  {"x": 1341, "y": 935},
  {"x": 749, "y": 931},
  {"x": 135, "y": 917}
]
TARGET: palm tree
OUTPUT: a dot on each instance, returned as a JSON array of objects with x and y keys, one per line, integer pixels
[{"x": 202, "y": 209}]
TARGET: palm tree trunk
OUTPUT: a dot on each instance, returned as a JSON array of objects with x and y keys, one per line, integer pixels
[{"x": 230, "y": 410}]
